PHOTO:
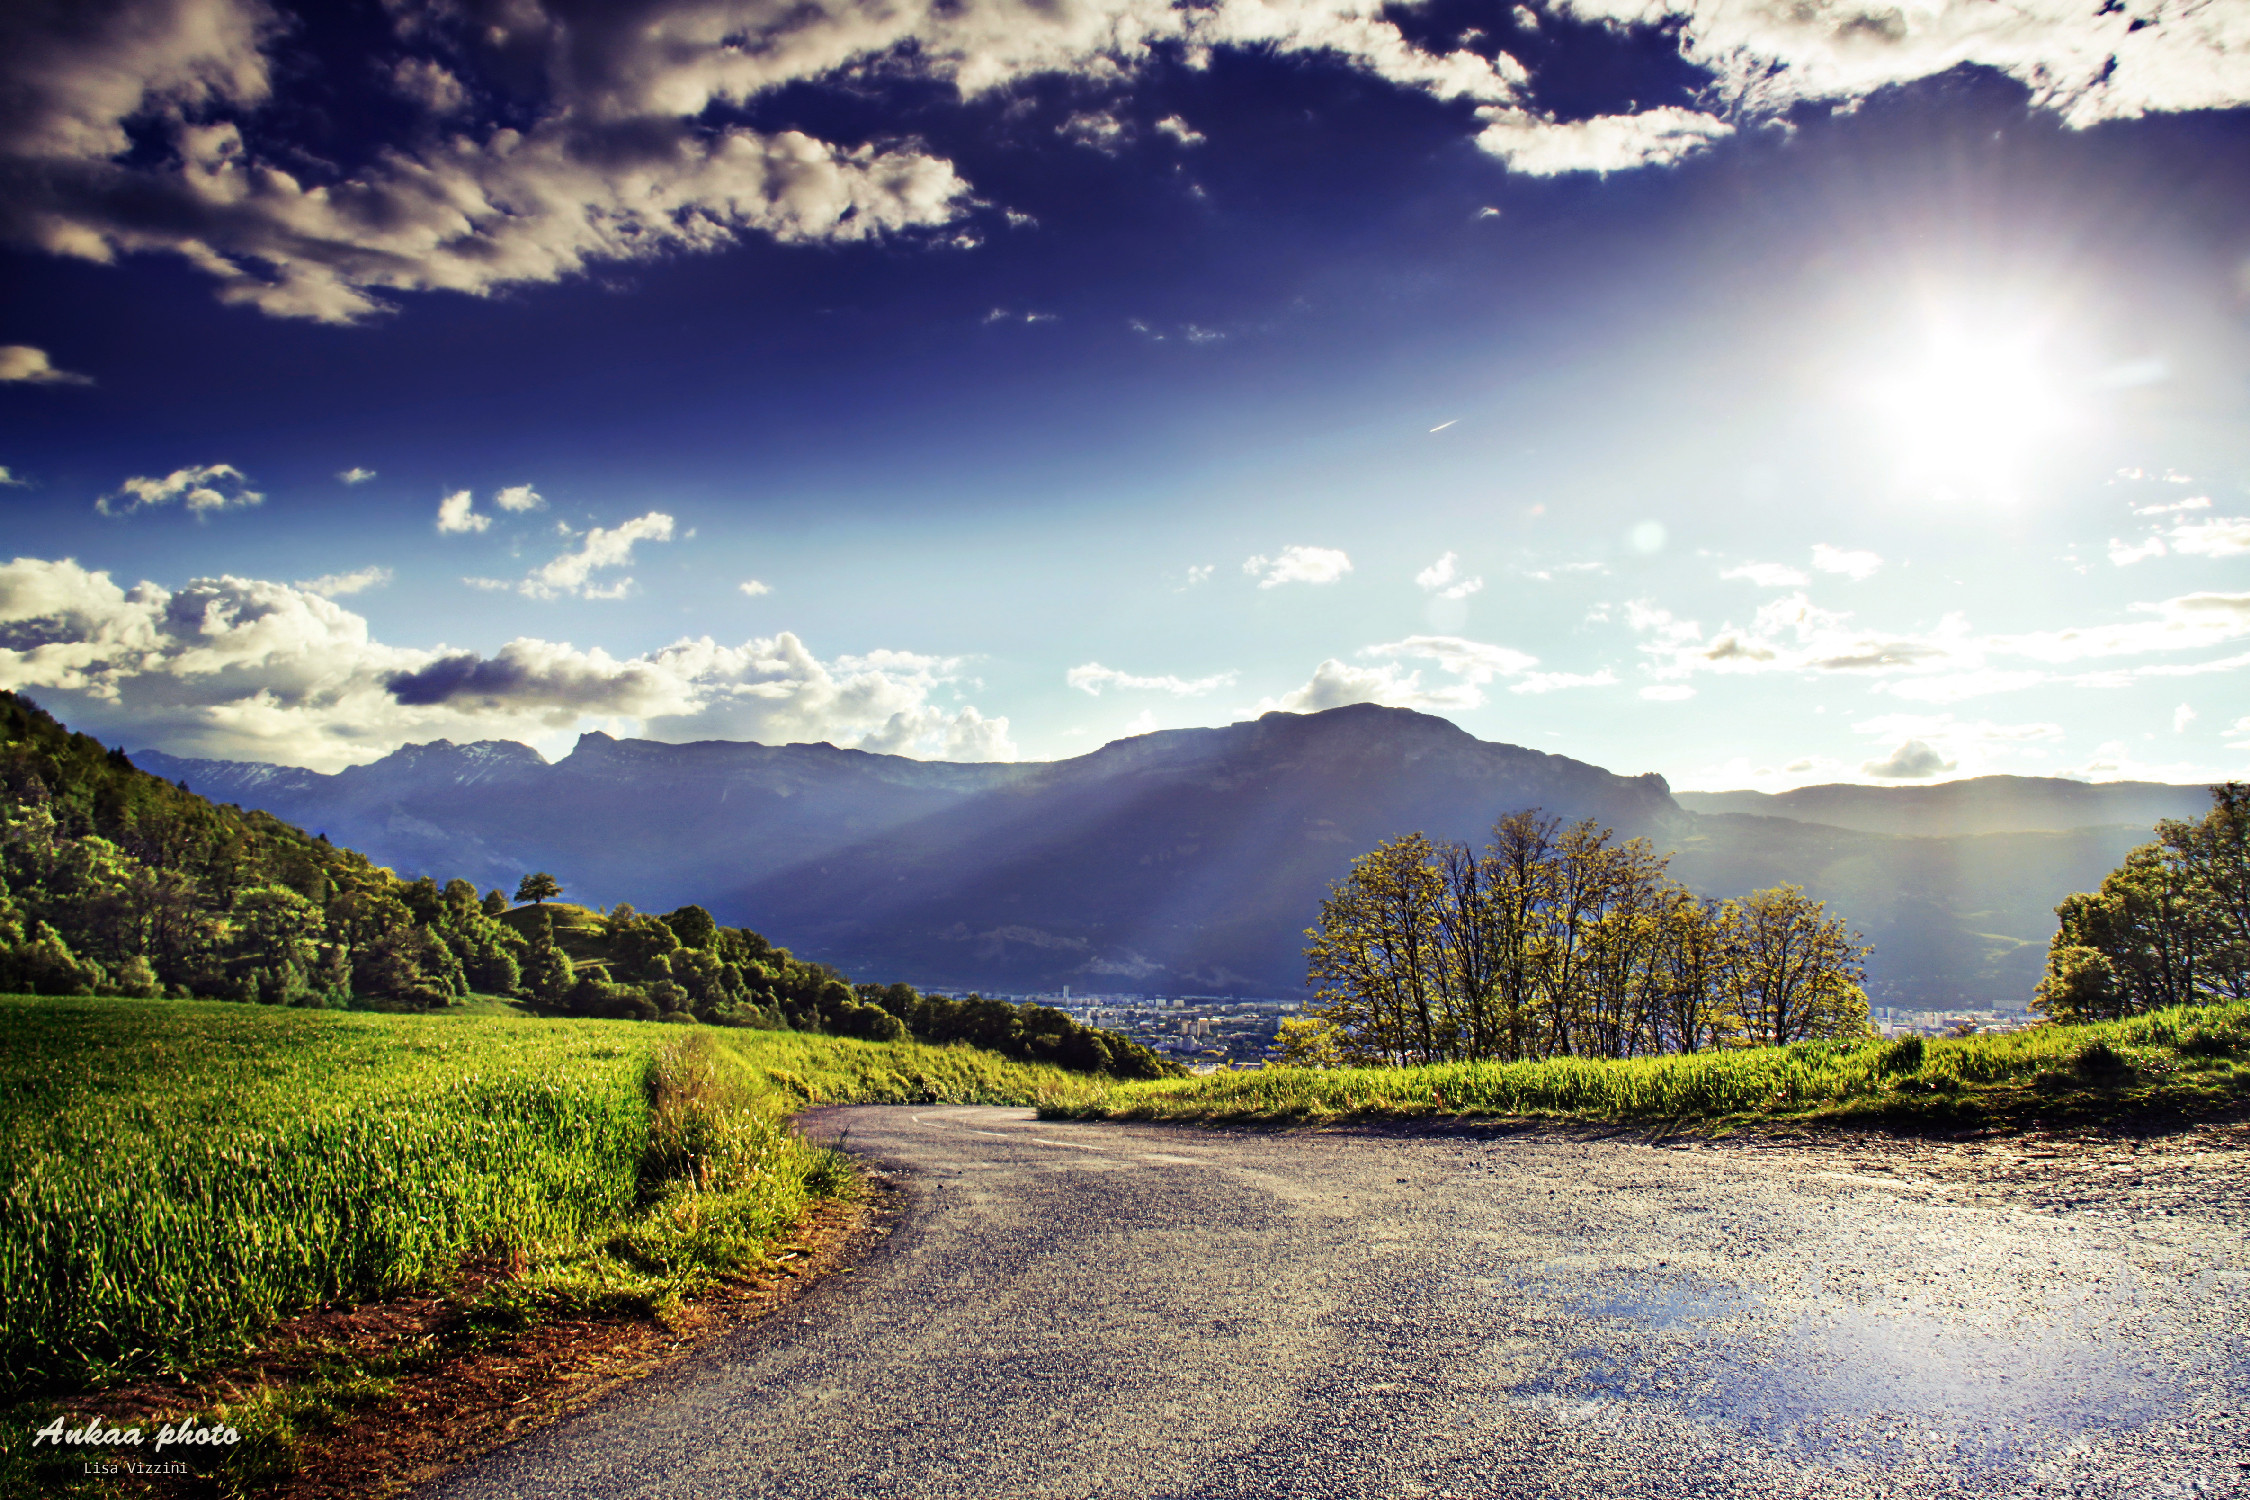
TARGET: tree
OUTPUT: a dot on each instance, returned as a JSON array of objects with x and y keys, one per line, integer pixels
[
  {"x": 694, "y": 926},
  {"x": 1376, "y": 958},
  {"x": 2169, "y": 926},
  {"x": 549, "y": 976},
  {"x": 1795, "y": 972},
  {"x": 2214, "y": 858},
  {"x": 538, "y": 888},
  {"x": 1560, "y": 942}
]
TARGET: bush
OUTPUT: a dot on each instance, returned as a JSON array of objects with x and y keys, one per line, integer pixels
[
  {"x": 2102, "y": 1065},
  {"x": 1901, "y": 1056}
]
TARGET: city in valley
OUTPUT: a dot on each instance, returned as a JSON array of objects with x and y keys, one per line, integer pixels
[{"x": 1209, "y": 1032}]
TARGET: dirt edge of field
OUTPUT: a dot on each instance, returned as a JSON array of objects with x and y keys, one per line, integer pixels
[{"x": 461, "y": 1406}]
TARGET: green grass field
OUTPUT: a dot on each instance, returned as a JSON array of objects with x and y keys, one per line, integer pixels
[
  {"x": 179, "y": 1175},
  {"x": 2194, "y": 1060}
]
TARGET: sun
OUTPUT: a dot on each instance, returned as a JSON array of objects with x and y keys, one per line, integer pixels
[{"x": 1969, "y": 411}]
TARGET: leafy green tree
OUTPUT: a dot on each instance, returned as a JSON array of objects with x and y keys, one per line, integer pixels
[
  {"x": 549, "y": 977},
  {"x": 1377, "y": 959},
  {"x": 2168, "y": 926},
  {"x": 693, "y": 926},
  {"x": 1796, "y": 971},
  {"x": 538, "y": 888},
  {"x": 1561, "y": 941}
]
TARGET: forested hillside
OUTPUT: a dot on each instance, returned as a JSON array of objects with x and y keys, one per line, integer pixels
[{"x": 117, "y": 882}]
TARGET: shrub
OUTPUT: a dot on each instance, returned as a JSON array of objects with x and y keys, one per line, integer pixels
[
  {"x": 1901, "y": 1056},
  {"x": 2102, "y": 1065}
]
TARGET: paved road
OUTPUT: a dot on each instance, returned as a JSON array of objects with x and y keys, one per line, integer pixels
[{"x": 1103, "y": 1310}]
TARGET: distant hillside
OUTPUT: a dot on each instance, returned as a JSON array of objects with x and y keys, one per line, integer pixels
[
  {"x": 1976, "y": 804},
  {"x": 1188, "y": 860}
]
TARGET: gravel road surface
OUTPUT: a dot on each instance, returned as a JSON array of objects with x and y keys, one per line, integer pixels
[{"x": 1111, "y": 1310}]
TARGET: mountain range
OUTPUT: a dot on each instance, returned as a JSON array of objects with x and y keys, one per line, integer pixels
[{"x": 1187, "y": 860}]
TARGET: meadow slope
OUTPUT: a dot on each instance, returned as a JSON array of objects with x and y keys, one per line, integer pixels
[
  {"x": 2189, "y": 1060},
  {"x": 180, "y": 1175}
]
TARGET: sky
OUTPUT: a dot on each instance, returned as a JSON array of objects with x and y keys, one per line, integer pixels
[{"x": 1759, "y": 392}]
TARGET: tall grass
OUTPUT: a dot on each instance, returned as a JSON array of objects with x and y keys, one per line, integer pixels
[
  {"x": 2179, "y": 1058},
  {"x": 177, "y": 1176}
]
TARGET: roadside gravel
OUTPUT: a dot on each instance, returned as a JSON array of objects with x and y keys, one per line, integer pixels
[{"x": 1114, "y": 1310}]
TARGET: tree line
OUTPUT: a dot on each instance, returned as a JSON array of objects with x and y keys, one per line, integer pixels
[
  {"x": 2169, "y": 926},
  {"x": 117, "y": 882},
  {"x": 1561, "y": 941}
]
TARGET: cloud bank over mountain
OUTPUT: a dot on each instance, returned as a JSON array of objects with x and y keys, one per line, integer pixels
[{"x": 244, "y": 668}]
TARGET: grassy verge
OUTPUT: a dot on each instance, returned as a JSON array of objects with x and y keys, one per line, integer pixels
[
  {"x": 178, "y": 1178},
  {"x": 2187, "y": 1061}
]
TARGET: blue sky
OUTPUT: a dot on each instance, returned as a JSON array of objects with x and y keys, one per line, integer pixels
[{"x": 1757, "y": 393}]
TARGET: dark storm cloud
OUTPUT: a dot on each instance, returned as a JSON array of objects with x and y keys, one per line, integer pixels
[{"x": 463, "y": 676}]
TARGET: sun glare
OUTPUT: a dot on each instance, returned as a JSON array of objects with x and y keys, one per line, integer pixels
[{"x": 1970, "y": 412}]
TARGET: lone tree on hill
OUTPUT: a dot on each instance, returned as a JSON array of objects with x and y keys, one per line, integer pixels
[{"x": 537, "y": 888}]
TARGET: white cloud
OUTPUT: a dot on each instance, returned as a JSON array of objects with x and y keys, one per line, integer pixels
[
  {"x": 1097, "y": 128},
  {"x": 2193, "y": 669},
  {"x": 454, "y": 515},
  {"x": 1179, "y": 130},
  {"x": 1298, "y": 565},
  {"x": 2177, "y": 507},
  {"x": 2221, "y": 536},
  {"x": 2085, "y": 63},
  {"x": 337, "y": 585},
  {"x": 20, "y": 364},
  {"x": 1853, "y": 565},
  {"x": 604, "y": 150},
  {"x": 429, "y": 84},
  {"x": 1093, "y": 677},
  {"x": 204, "y": 488},
  {"x": 2125, "y": 554},
  {"x": 1910, "y": 761},
  {"x": 2182, "y": 717},
  {"x": 1200, "y": 573},
  {"x": 519, "y": 498},
  {"x": 1943, "y": 664},
  {"x": 1473, "y": 661},
  {"x": 2185, "y": 623},
  {"x": 246, "y": 669},
  {"x": 1540, "y": 146},
  {"x": 1475, "y": 665},
  {"x": 601, "y": 548},
  {"x": 1335, "y": 684},
  {"x": 1767, "y": 575},
  {"x": 1668, "y": 692},
  {"x": 755, "y": 588},
  {"x": 356, "y": 475},
  {"x": 1549, "y": 682},
  {"x": 536, "y": 140},
  {"x": 1444, "y": 579}
]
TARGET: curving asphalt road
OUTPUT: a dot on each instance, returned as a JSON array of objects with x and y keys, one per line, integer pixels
[{"x": 1107, "y": 1310}]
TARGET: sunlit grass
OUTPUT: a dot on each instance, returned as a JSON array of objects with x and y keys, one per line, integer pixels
[
  {"x": 2185, "y": 1059},
  {"x": 178, "y": 1176}
]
